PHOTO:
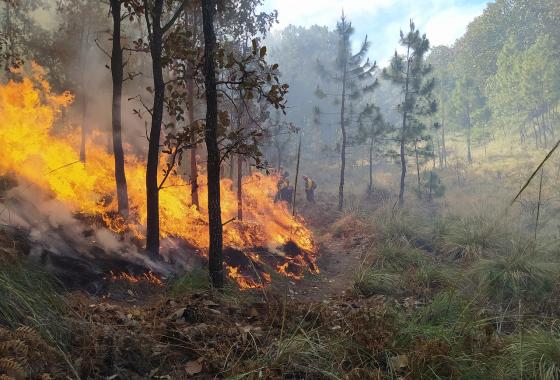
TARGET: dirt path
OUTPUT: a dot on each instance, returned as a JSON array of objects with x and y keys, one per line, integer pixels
[{"x": 343, "y": 247}]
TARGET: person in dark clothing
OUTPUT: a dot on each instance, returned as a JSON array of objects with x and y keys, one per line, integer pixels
[{"x": 310, "y": 187}]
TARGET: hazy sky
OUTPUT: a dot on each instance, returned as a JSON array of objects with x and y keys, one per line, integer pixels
[{"x": 442, "y": 20}]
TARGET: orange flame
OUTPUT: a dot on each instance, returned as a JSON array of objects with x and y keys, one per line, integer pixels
[
  {"x": 46, "y": 156},
  {"x": 148, "y": 277}
]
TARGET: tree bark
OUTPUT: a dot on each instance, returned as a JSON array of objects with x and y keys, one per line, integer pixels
[
  {"x": 370, "y": 186},
  {"x": 152, "y": 190},
  {"x": 403, "y": 132},
  {"x": 215, "y": 260},
  {"x": 117, "y": 76},
  {"x": 239, "y": 187},
  {"x": 469, "y": 126},
  {"x": 417, "y": 169},
  {"x": 84, "y": 94},
  {"x": 343, "y": 147},
  {"x": 194, "y": 166}
]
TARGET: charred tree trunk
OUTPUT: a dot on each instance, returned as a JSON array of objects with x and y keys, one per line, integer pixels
[
  {"x": 215, "y": 261},
  {"x": 152, "y": 190},
  {"x": 117, "y": 76}
]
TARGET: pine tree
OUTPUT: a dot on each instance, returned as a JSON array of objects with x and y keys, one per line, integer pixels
[
  {"x": 354, "y": 74},
  {"x": 411, "y": 71}
]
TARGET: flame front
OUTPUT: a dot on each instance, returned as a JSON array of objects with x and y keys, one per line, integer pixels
[{"x": 47, "y": 157}]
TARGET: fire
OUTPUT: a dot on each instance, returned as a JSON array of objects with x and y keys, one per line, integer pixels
[
  {"x": 43, "y": 153},
  {"x": 148, "y": 277},
  {"x": 247, "y": 282}
]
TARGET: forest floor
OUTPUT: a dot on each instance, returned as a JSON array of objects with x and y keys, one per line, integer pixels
[{"x": 400, "y": 295}]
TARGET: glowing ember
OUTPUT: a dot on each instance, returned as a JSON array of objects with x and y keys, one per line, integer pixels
[
  {"x": 48, "y": 158},
  {"x": 148, "y": 277}
]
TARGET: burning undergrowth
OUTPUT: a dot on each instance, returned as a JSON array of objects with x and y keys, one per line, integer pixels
[{"x": 69, "y": 209}]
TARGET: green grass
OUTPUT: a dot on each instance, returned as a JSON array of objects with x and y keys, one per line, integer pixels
[
  {"x": 473, "y": 237},
  {"x": 398, "y": 257},
  {"x": 370, "y": 282},
  {"x": 515, "y": 277},
  {"x": 189, "y": 282},
  {"x": 28, "y": 295},
  {"x": 534, "y": 355}
]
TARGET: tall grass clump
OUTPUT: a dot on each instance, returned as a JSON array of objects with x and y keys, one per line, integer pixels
[
  {"x": 535, "y": 355},
  {"x": 370, "y": 282},
  {"x": 398, "y": 257},
  {"x": 28, "y": 295},
  {"x": 474, "y": 236},
  {"x": 513, "y": 278},
  {"x": 446, "y": 338}
]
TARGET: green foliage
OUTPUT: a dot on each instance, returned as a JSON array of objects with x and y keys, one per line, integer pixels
[
  {"x": 431, "y": 185},
  {"x": 534, "y": 355}
]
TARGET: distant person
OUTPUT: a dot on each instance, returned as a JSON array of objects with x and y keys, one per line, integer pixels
[
  {"x": 310, "y": 187},
  {"x": 282, "y": 187}
]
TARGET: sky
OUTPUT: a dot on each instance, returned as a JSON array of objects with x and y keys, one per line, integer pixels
[{"x": 443, "y": 21}]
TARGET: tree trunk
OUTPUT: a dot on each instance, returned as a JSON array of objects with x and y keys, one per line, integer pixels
[
  {"x": 215, "y": 261},
  {"x": 370, "y": 186},
  {"x": 417, "y": 169},
  {"x": 152, "y": 187},
  {"x": 117, "y": 76},
  {"x": 194, "y": 166},
  {"x": 239, "y": 187},
  {"x": 444, "y": 150},
  {"x": 343, "y": 147},
  {"x": 469, "y": 125},
  {"x": 403, "y": 132},
  {"x": 279, "y": 152},
  {"x": 84, "y": 94}
]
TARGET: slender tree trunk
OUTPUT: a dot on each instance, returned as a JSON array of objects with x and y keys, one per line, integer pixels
[
  {"x": 370, "y": 186},
  {"x": 193, "y": 162},
  {"x": 279, "y": 152},
  {"x": 417, "y": 168},
  {"x": 231, "y": 168},
  {"x": 152, "y": 186},
  {"x": 403, "y": 131},
  {"x": 343, "y": 147},
  {"x": 444, "y": 150},
  {"x": 215, "y": 261},
  {"x": 84, "y": 94},
  {"x": 469, "y": 125},
  {"x": 117, "y": 76},
  {"x": 239, "y": 187},
  {"x": 443, "y": 157}
]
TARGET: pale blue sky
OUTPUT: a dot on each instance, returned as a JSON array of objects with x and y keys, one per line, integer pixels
[{"x": 442, "y": 20}]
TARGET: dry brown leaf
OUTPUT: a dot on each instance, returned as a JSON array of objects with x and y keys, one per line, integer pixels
[{"x": 193, "y": 367}]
